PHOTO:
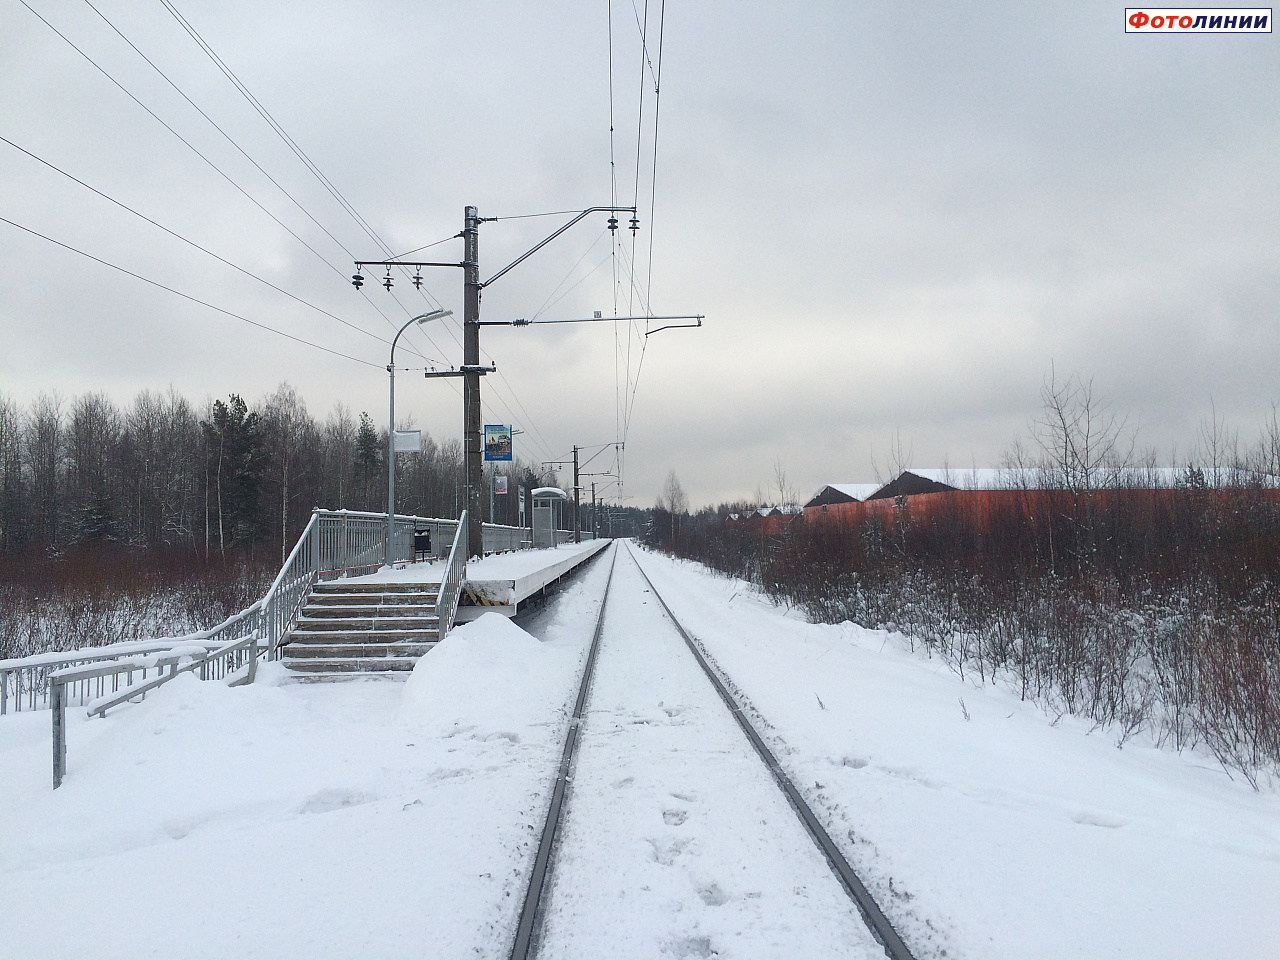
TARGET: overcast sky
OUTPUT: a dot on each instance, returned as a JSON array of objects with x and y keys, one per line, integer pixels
[{"x": 896, "y": 218}]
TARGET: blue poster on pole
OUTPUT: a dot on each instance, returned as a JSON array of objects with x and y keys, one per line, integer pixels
[{"x": 497, "y": 441}]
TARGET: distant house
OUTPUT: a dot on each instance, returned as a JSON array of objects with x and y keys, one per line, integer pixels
[
  {"x": 767, "y": 520},
  {"x": 839, "y": 500},
  {"x": 978, "y": 492}
]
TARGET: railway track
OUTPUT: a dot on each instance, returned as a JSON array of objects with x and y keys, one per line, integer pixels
[{"x": 688, "y": 741}]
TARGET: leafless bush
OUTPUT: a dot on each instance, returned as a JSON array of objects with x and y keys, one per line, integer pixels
[
  {"x": 95, "y": 594},
  {"x": 1169, "y": 623}
]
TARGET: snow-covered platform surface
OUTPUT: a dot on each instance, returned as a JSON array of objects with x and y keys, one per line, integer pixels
[
  {"x": 501, "y": 582},
  {"x": 382, "y": 818}
]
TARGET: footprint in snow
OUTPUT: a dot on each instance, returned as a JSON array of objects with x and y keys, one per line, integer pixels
[
  {"x": 327, "y": 801},
  {"x": 666, "y": 852},
  {"x": 1090, "y": 819},
  {"x": 674, "y": 818},
  {"x": 713, "y": 896},
  {"x": 693, "y": 947}
]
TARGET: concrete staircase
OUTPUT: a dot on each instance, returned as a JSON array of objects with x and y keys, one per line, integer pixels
[{"x": 349, "y": 629}]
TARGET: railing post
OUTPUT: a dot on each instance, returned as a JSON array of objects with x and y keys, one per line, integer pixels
[
  {"x": 4, "y": 692},
  {"x": 345, "y": 545},
  {"x": 253, "y": 657},
  {"x": 57, "y": 705}
]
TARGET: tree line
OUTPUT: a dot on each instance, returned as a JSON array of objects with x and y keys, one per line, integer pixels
[{"x": 223, "y": 476}]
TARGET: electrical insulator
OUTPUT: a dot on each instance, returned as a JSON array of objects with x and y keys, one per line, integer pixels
[
  {"x": 519, "y": 322},
  {"x": 417, "y": 280},
  {"x": 386, "y": 281},
  {"x": 613, "y": 224},
  {"x": 635, "y": 224},
  {"x": 357, "y": 281}
]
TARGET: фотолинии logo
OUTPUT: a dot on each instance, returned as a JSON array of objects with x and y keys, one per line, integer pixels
[{"x": 1197, "y": 20}]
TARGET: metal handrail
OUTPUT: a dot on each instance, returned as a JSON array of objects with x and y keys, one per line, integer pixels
[
  {"x": 335, "y": 543},
  {"x": 235, "y": 661},
  {"x": 451, "y": 583}
]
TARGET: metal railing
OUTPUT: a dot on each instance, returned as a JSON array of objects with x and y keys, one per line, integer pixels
[
  {"x": 335, "y": 543},
  {"x": 234, "y": 661},
  {"x": 500, "y": 539},
  {"x": 451, "y": 583},
  {"x": 24, "y": 681}
]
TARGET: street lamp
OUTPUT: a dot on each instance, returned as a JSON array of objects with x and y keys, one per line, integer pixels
[{"x": 389, "y": 554}]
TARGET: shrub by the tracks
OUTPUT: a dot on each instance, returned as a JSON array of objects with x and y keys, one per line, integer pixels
[{"x": 1141, "y": 610}]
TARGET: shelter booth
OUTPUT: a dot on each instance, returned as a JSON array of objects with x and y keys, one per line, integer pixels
[{"x": 548, "y": 509}]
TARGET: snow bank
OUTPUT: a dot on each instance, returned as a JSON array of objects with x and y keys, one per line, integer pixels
[
  {"x": 491, "y": 674},
  {"x": 371, "y": 817}
]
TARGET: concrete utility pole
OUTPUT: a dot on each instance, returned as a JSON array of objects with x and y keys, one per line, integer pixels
[
  {"x": 577, "y": 503},
  {"x": 472, "y": 444},
  {"x": 595, "y": 525},
  {"x": 470, "y": 370}
]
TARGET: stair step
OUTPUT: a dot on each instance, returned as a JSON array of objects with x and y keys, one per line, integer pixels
[
  {"x": 339, "y": 676},
  {"x": 364, "y": 636},
  {"x": 338, "y": 586},
  {"x": 354, "y": 665},
  {"x": 349, "y": 629},
  {"x": 373, "y": 620},
  {"x": 313, "y": 651},
  {"x": 374, "y": 599},
  {"x": 376, "y": 624}
]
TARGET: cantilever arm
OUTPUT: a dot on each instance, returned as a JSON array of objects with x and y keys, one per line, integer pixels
[
  {"x": 538, "y": 246},
  {"x": 676, "y": 326}
]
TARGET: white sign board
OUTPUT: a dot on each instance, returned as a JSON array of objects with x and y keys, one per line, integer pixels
[
  {"x": 408, "y": 441},
  {"x": 500, "y": 485}
]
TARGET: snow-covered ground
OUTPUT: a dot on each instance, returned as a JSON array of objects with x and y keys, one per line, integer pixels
[
  {"x": 390, "y": 819},
  {"x": 983, "y": 826},
  {"x": 369, "y": 818},
  {"x": 498, "y": 566},
  {"x": 677, "y": 841}
]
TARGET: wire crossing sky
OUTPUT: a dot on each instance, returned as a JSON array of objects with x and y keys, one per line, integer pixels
[{"x": 897, "y": 219}]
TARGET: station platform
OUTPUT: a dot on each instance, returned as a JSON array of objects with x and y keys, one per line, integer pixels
[{"x": 501, "y": 582}]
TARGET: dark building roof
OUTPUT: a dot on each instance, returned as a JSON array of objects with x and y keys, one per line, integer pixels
[
  {"x": 909, "y": 484},
  {"x": 842, "y": 493},
  {"x": 829, "y": 494}
]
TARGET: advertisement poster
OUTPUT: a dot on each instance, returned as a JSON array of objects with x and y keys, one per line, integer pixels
[{"x": 497, "y": 441}]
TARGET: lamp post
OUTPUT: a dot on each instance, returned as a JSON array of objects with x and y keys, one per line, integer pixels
[{"x": 389, "y": 553}]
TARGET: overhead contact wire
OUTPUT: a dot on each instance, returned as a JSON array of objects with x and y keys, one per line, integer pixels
[{"x": 186, "y": 296}]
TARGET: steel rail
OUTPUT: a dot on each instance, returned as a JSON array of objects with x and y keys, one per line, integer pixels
[
  {"x": 872, "y": 915},
  {"x": 523, "y": 946}
]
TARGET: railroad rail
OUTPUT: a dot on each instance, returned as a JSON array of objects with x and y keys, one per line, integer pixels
[{"x": 525, "y": 944}]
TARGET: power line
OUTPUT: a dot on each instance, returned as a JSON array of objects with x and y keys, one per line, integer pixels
[
  {"x": 548, "y": 302},
  {"x": 274, "y": 124},
  {"x": 530, "y": 216},
  {"x": 311, "y": 166},
  {"x": 184, "y": 140},
  {"x": 215, "y": 126},
  {"x": 653, "y": 186},
  {"x": 425, "y": 246},
  {"x": 211, "y": 164},
  {"x": 187, "y": 296},
  {"x": 189, "y": 242}
]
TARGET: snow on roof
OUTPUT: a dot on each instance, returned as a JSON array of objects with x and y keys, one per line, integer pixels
[
  {"x": 1035, "y": 478},
  {"x": 859, "y": 491},
  {"x": 791, "y": 509}
]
